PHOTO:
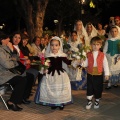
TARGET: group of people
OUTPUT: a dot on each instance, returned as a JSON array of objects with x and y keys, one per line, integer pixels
[
  {"x": 54, "y": 88},
  {"x": 15, "y": 49}
]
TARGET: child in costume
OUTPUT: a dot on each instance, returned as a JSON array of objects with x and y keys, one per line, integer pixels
[
  {"x": 55, "y": 89},
  {"x": 77, "y": 75},
  {"x": 112, "y": 51},
  {"x": 95, "y": 62}
]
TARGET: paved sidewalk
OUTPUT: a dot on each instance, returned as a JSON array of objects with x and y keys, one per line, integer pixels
[{"x": 109, "y": 109}]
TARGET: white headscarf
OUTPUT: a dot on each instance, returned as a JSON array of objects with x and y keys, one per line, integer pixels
[
  {"x": 84, "y": 33},
  {"x": 48, "y": 52},
  {"x": 118, "y": 36},
  {"x": 94, "y": 31}
]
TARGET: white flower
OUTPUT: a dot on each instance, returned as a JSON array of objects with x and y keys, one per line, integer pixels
[
  {"x": 76, "y": 49},
  {"x": 47, "y": 64},
  {"x": 84, "y": 53},
  {"x": 48, "y": 60},
  {"x": 78, "y": 57},
  {"x": 73, "y": 55}
]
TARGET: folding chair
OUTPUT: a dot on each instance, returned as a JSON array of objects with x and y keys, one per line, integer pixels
[{"x": 3, "y": 89}]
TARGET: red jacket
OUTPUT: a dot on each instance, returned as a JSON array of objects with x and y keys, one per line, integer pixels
[{"x": 22, "y": 56}]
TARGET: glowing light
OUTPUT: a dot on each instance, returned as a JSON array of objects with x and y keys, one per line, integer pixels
[
  {"x": 1, "y": 27},
  {"x": 56, "y": 21},
  {"x": 82, "y": 1},
  {"x": 92, "y": 5}
]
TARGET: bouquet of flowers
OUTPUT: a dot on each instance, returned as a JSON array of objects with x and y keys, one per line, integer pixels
[
  {"x": 44, "y": 63},
  {"x": 79, "y": 53}
]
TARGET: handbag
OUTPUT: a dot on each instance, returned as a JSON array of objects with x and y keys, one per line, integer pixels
[{"x": 20, "y": 69}]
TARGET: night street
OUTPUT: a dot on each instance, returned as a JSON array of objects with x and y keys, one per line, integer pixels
[{"x": 109, "y": 109}]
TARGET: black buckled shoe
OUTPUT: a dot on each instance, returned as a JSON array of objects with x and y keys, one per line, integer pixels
[
  {"x": 61, "y": 107},
  {"x": 14, "y": 107},
  {"x": 24, "y": 101}
]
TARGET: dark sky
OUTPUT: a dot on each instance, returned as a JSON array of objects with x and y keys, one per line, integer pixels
[{"x": 8, "y": 12}]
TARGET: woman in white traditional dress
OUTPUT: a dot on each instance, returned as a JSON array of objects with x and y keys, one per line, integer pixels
[
  {"x": 112, "y": 50},
  {"x": 91, "y": 31},
  {"x": 55, "y": 89},
  {"x": 81, "y": 32}
]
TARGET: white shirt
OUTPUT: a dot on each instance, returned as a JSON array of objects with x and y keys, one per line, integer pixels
[{"x": 17, "y": 48}]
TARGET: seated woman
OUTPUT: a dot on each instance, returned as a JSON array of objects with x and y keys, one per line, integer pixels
[
  {"x": 17, "y": 40},
  {"x": 20, "y": 83},
  {"x": 24, "y": 48},
  {"x": 26, "y": 52},
  {"x": 36, "y": 46},
  {"x": 42, "y": 43}
]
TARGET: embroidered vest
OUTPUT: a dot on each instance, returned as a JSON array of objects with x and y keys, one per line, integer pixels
[
  {"x": 113, "y": 47},
  {"x": 99, "y": 60}
]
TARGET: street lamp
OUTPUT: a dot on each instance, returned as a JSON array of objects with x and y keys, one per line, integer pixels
[
  {"x": 56, "y": 22},
  {"x": 2, "y": 26},
  {"x": 81, "y": 2}
]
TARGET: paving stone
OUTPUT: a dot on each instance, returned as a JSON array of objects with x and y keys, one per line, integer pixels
[{"x": 109, "y": 109}]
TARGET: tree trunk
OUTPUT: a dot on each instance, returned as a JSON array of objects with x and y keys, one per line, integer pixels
[
  {"x": 40, "y": 13},
  {"x": 18, "y": 23},
  {"x": 29, "y": 21},
  {"x": 33, "y": 14},
  {"x": 60, "y": 27}
]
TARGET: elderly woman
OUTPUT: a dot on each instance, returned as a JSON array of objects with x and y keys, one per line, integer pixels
[
  {"x": 8, "y": 60},
  {"x": 36, "y": 46}
]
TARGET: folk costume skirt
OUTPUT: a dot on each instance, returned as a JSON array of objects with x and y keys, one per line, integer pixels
[{"x": 54, "y": 90}]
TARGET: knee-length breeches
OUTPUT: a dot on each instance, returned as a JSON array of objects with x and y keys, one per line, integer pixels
[{"x": 95, "y": 85}]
